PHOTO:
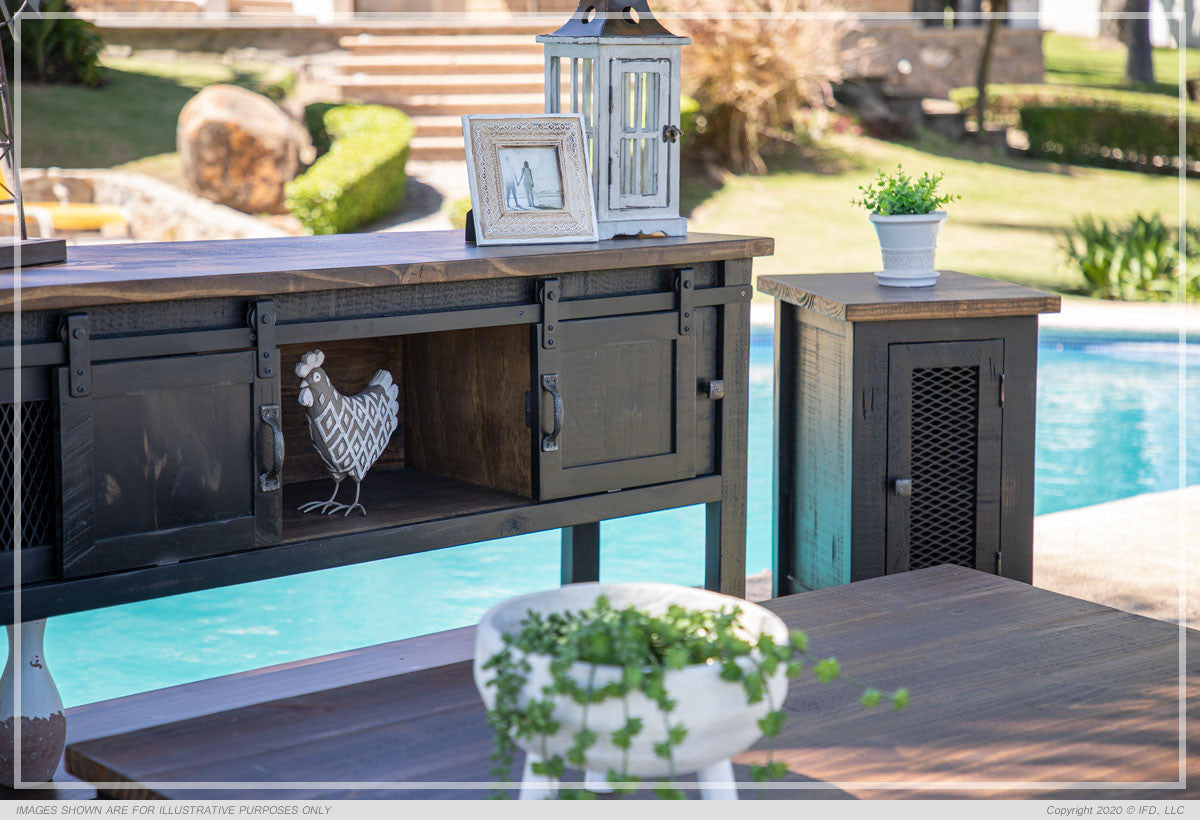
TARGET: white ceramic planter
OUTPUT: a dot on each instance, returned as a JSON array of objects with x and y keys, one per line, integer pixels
[
  {"x": 719, "y": 721},
  {"x": 908, "y": 244}
]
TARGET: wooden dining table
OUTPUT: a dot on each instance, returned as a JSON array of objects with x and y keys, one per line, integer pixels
[{"x": 1016, "y": 692}]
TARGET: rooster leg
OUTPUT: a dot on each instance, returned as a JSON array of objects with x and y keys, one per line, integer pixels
[
  {"x": 349, "y": 508},
  {"x": 323, "y": 506}
]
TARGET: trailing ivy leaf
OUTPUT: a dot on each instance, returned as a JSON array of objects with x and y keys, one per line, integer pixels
[
  {"x": 676, "y": 658},
  {"x": 798, "y": 640},
  {"x": 731, "y": 671},
  {"x": 870, "y": 697},
  {"x": 753, "y": 684},
  {"x": 776, "y": 770},
  {"x": 827, "y": 670},
  {"x": 676, "y": 734},
  {"x": 758, "y": 773},
  {"x": 899, "y": 699},
  {"x": 794, "y": 669}
]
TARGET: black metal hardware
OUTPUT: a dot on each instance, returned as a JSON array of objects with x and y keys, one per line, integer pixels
[
  {"x": 1001, "y": 389},
  {"x": 715, "y": 389},
  {"x": 263, "y": 322},
  {"x": 269, "y": 481},
  {"x": 528, "y": 410},
  {"x": 76, "y": 335},
  {"x": 549, "y": 294},
  {"x": 671, "y": 133},
  {"x": 550, "y": 385},
  {"x": 902, "y": 487},
  {"x": 999, "y": 563},
  {"x": 685, "y": 287}
]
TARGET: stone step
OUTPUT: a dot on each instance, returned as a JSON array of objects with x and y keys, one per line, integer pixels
[
  {"x": 431, "y": 149},
  {"x": 439, "y": 44},
  {"x": 433, "y": 63},
  {"x": 448, "y": 105},
  {"x": 363, "y": 86},
  {"x": 434, "y": 126}
]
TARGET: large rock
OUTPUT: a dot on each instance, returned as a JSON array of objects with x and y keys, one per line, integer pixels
[{"x": 239, "y": 148}]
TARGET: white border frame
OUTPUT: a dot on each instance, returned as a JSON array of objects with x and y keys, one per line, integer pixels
[{"x": 575, "y": 179}]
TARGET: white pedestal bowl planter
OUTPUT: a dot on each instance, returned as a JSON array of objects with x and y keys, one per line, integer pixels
[
  {"x": 719, "y": 721},
  {"x": 908, "y": 244}
]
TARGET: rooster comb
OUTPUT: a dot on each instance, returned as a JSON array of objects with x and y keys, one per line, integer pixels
[{"x": 310, "y": 360}]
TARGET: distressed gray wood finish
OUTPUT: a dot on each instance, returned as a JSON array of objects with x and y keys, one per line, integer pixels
[
  {"x": 466, "y": 466},
  {"x": 581, "y": 553},
  {"x": 838, "y": 416},
  {"x": 725, "y": 520},
  {"x": 168, "y": 271},
  {"x": 858, "y": 297},
  {"x": 1095, "y": 699}
]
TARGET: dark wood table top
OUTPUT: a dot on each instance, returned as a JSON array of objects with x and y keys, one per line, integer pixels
[
  {"x": 857, "y": 297},
  {"x": 1016, "y": 692},
  {"x": 159, "y": 271}
]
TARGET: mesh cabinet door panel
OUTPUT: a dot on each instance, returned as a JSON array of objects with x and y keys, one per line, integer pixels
[{"x": 944, "y": 436}]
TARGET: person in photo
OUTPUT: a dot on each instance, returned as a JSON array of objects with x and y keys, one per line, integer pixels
[
  {"x": 527, "y": 182},
  {"x": 510, "y": 188}
]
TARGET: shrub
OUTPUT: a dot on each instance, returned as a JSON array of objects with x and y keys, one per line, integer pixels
[
  {"x": 689, "y": 111},
  {"x": 58, "y": 50},
  {"x": 1136, "y": 261},
  {"x": 457, "y": 211},
  {"x": 899, "y": 194},
  {"x": 753, "y": 75},
  {"x": 1093, "y": 125},
  {"x": 314, "y": 121},
  {"x": 361, "y": 177}
]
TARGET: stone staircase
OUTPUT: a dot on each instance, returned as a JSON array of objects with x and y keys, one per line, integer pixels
[{"x": 437, "y": 73}]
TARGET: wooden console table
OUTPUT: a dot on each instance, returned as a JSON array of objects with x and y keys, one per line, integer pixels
[{"x": 164, "y": 450}]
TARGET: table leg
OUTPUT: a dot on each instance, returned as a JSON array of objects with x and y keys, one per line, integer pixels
[
  {"x": 716, "y": 781},
  {"x": 42, "y": 723},
  {"x": 536, "y": 786},
  {"x": 725, "y": 547},
  {"x": 581, "y": 553}
]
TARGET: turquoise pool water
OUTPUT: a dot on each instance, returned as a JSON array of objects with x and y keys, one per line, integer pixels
[{"x": 1108, "y": 428}]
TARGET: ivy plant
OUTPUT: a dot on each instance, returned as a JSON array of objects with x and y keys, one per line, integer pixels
[
  {"x": 899, "y": 194},
  {"x": 644, "y": 647}
]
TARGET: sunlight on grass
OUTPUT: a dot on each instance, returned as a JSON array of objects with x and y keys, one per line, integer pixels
[
  {"x": 1006, "y": 225},
  {"x": 132, "y": 116},
  {"x": 1101, "y": 64}
]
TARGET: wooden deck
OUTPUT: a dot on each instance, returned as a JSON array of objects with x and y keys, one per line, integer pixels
[{"x": 1016, "y": 692}]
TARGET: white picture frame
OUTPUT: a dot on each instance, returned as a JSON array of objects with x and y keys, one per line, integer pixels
[{"x": 529, "y": 179}]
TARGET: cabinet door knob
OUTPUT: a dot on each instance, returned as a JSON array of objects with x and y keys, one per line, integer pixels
[{"x": 902, "y": 487}]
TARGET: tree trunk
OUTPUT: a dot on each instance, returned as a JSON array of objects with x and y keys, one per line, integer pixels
[
  {"x": 998, "y": 7},
  {"x": 1112, "y": 28},
  {"x": 1139, "y": 62}
]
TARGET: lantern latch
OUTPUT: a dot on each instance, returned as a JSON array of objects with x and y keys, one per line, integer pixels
[{"x": 671, "y": 133}]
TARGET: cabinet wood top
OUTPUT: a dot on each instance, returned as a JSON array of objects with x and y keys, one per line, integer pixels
[
  {"x": 857, "y": 297},
  {"x": 162, "y": 271}
]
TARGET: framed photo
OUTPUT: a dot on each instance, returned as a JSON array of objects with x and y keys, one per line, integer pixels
[{"x": 529, "y": 178}]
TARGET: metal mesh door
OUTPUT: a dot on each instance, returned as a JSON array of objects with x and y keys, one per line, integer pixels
[
  {"x": 37, "y": 474},
  {"x": 944, "y": 454},
  {"x": 945, "y": 443}
]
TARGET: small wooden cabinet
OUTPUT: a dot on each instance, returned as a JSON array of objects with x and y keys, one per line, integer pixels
[
  {"x": 904, "y": 426},
  {"x": 164, "y": 449}
]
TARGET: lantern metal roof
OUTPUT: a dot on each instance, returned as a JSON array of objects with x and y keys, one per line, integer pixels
[{"x": 625, "y": 20}]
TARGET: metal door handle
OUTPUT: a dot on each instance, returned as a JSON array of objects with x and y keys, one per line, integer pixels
[
  {"x": 269, "y": 481},
  {"x": 550, "y": 385},
  {"x": 671, "y": 133},
  {"x": 902, "y": 487}
]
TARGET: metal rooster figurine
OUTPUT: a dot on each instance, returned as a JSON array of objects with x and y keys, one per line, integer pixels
[{"x": 349, "y": 432}]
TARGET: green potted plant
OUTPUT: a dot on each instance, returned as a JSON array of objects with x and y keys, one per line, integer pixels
[
  {"x": 907, "y": 218},
  {"x": 632, "y": 683}
]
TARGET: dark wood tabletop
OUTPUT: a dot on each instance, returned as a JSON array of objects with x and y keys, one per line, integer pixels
[
  {"x": 159, "y": 271},
  {"x": 857, "y": 297},
  {"x": 1016, "y": 692}
]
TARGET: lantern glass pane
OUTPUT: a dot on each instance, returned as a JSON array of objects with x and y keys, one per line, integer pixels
[
  {"x": 553, "y": 95},
  {"x": 649, "y": 167},
  {"x": 649, "y": 101},
  {"x": 586, "y": 91}
]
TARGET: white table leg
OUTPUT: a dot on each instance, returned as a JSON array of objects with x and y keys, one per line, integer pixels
[
  {"x": 716, "y": 781},
  {"x": 43, "y": 726},
  {"x": 596, "y": 782},
  {"x": 536, "y": 786}
]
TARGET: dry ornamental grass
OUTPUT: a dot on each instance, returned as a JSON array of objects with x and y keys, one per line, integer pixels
[{"x": 756, "y": 66}]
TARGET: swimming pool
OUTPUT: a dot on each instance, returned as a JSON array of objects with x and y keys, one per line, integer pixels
[{"x": 1108, "y": 428}]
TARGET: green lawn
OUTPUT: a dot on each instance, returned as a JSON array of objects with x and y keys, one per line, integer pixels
[
  {"x": 1006, "y": 225},
  {"x": 1101, "y": 64},
  {"x": 132, "y": 116}
]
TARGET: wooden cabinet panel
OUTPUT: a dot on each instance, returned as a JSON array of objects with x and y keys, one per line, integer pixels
[{"x": 161, "y": 462}]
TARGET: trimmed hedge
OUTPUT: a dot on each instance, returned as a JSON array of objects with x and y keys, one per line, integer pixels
[
  {"x": 361, "y": 177},
  {"x": 1086, "y": 125}
]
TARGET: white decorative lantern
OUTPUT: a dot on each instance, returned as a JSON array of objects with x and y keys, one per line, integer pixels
[{"x": 615, "y": 64}]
